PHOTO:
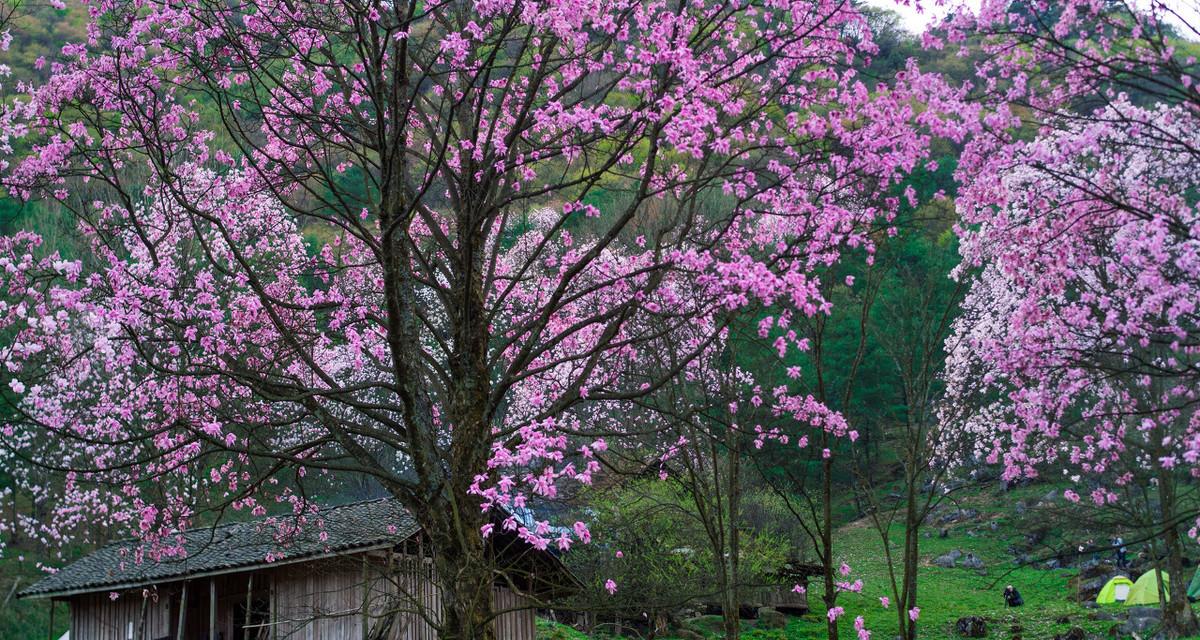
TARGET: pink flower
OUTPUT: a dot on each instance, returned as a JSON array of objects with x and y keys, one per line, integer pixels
[
  {"x": 914, "y": 613},
  {"x": 885, "y": 602},
  {"x": 610, "y": 586},
  {"x": 835, "y": 613},
  {"x": 860, "y": 626}
]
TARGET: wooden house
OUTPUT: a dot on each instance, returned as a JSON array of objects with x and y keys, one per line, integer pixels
[{"x": 367, "y": 577}]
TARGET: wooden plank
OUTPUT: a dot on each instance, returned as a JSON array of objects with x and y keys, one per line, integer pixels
[
  {"x": 182, "y": 612},
  {"x": 274, "y": 614},
  {"x": 366, "y": 600},
  {"x": 141, "y": 628},
  {"x": 212, "y": 609}
]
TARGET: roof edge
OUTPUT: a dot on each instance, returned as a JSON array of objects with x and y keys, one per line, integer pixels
[{"x": 26, "y": 594}]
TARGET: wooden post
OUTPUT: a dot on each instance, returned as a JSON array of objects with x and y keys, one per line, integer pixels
[
  {"x": 274, "y": 610},
  {"x": 212, "y": 609},
  {"x": 179, "y": 633},
  {"x": 141, "y": 630},
  {"x": 249, "y": 605},
  {"x": 50, "y": 630},
  {"x": 366, "y": 593}
]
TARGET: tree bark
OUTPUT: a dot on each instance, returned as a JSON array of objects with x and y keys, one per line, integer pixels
[
  {"x": 830, "y": 595},
  {"x": 465, "y": 578},
  {"x": 1179, "y": 621}
]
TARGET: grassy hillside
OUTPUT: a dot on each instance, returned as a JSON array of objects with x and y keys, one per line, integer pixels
[
  {"x": 22, "y": 619},
  {"x": 946, "y": 594}
]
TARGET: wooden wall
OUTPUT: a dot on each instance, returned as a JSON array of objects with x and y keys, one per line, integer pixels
[
  {"x": 312, "y": 601},
  {"x": 316, "y": 601},
  {"x": 96, "y": 616}
]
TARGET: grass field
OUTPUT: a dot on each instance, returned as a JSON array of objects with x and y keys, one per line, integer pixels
[{"x": 946, "y": 594}]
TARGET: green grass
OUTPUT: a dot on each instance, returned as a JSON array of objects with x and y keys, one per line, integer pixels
[{"x": 946, "y": 594}]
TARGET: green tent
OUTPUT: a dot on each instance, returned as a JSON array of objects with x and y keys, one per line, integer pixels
[
  {"x": 1145, "y": 590},
  {"x": 1115, "y": 590},
  {"x": 1193, "y": 592}
]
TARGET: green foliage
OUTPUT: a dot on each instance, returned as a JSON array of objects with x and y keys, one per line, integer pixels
[
  {"x": 945, "y": 594},
  {"x": 665, "y": 559},
  {"x": 21, "y": 618},
  {"x": 550, "y": 630}
]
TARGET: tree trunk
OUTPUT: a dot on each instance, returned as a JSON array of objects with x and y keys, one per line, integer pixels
[
  {"x": 464, "y": 574},
  {"x": 1179, "y": 621},
  {"x": 830, "y": 595},
  {"x": 733, "y": 622},
  {"x": 912, "y": 549},
  {"x": 730, "y": 602}
]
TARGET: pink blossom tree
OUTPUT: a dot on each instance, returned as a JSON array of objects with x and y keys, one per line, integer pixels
[
  {"x": 423, "y": 243},
  {"x": 1079, "y": 212},
  {"x": 1082, "y": 322}
]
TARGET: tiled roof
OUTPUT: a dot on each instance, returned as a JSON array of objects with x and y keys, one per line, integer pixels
[{"x": 227, "y": 547}]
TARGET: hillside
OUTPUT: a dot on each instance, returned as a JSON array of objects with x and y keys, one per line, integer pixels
[{"x": 992, "y": 525}]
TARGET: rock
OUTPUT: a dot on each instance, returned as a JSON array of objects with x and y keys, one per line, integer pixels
[
  {"x": 961, "y": 515},
  {"x": 1035, "y": 537},
  {"x": 1051, "y": 497},
  {"x": 944, "y": 533},
  {"x": 1153, "y": 613},
  {"x": 1141, "y": 620},
  {"x": 946, "y": 561},
  {"x": 1062, "y": 620},
  {"x": 688, "y": 634},
  {"x": 971, "y": 627},
  {"x": 1089, "y": 589},
  {"x": 1098, "y": 570},
  {"x": 1090, "y": 604},
  {"x": 1020, "y": 507},
  {"x": 748, "y": 611},
  {"x": 994, "y": 525},
  {"x": 972, "y": 562},
  {"x": 770, "y": 618},
  {"x": 1102, "y": 616},
  {"x": 1138, "y": 626},
  {"x": 1075, "y": 633},
  {"x": 955, "y": 554}
]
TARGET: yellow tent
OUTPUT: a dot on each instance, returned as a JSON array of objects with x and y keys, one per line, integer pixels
[
  {"x": 1115, "y": 590},
  {"x": 1145, "y": 590}
]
